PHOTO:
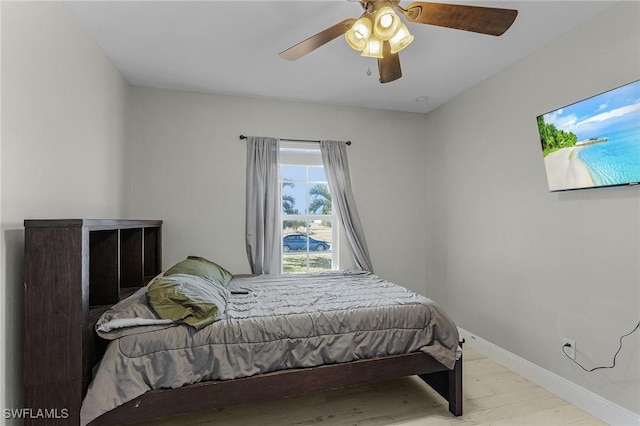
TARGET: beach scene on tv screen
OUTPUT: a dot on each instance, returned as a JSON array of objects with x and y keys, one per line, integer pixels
[{"x": 594, "y": 142}]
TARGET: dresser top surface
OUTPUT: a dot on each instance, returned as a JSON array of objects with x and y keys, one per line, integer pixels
[{"x": 95, "y": 224}]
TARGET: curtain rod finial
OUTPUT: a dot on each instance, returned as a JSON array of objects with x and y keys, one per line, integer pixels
[{"x": 243, "y": 137}]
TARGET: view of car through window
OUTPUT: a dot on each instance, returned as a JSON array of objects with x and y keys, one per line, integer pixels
[
  {"x": 302, "y": 242},
  {"x": 308, "y": 232}
]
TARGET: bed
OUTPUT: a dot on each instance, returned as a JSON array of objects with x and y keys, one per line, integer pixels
[
  {"x": 274, "y": 336},
  {"x": 277, "y": 336}
]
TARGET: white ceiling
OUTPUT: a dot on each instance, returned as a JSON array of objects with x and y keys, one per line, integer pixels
[{"x": 231, "y": 47}]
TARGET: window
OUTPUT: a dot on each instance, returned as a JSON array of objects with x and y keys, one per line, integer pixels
[{"x": 309, "y": 242}]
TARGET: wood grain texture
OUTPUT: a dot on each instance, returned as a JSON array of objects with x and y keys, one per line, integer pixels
[
  {"x": 493, "y": 395},
  {"x": 478, "y": 19},
  {"x": 317, "y": 40},
  {"x": 103, "y": 267},
  {"x": 61, "y": 401},
  {"x": 389, "y": 65},
  {"x": 53, "y": 319},
  {"x": 200, "y": 397},
  {"x": 131, "y": 257}
]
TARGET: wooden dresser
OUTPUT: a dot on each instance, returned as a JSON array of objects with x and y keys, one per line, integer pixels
[{"x": 74, "y": 270}]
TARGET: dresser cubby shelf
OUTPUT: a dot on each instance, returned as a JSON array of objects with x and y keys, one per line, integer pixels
[{"x": 74, "y": 270}]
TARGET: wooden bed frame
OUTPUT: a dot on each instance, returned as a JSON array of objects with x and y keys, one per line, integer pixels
[
  {"x": 207, "y": 396},
  {"x": 75, "y": 269}
]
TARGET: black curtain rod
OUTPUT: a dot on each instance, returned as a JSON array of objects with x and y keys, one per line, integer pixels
[{"x": 297, "y": 140}]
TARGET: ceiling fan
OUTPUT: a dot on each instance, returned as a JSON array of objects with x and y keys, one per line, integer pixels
[{"x": 381, "y": 34}]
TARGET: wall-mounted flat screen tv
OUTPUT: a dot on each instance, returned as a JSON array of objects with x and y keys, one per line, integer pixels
[{"x": 594, "y": 142}]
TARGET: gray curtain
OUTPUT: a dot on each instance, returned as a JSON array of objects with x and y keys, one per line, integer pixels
[
  {"x": 263, "y": 200},
  {"x": 336, "y": 166}
]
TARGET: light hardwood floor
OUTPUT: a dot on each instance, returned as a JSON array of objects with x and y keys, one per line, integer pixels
[{"x": 493, "y": 395}]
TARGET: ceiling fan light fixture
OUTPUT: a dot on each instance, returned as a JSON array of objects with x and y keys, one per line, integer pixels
[
  {"x": 373, "y": 48},
  {"x": 386, "y": 23},
  {"x": 401, "y": 39},
  {"x": 358, "y": 35},
  {"x": 381, "y": 33}
]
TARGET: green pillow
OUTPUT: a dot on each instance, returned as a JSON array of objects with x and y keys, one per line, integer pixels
[
  {"x": 187, "y": 298},
  {"x": 201, "y": 267}
]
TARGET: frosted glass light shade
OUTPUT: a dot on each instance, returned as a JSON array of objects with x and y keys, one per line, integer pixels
[
  {"x": 373, "y": 48},
  {"x": 358, "y": 34},
  {"x": 386, "y": 23},
  {"x": 401, "y": 40}
]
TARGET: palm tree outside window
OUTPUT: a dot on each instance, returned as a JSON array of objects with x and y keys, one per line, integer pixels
[{"x": 309, "y": 234}]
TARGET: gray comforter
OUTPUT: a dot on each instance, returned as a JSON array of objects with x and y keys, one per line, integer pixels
[{"x": 282, "y": 322}]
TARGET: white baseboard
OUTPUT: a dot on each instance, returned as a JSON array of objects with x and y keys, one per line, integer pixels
[{"x": 582, "y": 398}]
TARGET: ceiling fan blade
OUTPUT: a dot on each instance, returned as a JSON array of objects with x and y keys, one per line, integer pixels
[
  {"x": 478, "y": 19},
  {"x": 315, "y": 41},
  {"x": 389, "y": 65}
]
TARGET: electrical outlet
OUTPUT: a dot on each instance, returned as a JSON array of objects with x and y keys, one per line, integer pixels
[{"x": 569, "y": 347}]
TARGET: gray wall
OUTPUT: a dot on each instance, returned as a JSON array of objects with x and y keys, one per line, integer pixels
[
  {"x": 189, "y": 170},
  {"x": 64, "y": 128},
  {"x": 523, "y": 267}
]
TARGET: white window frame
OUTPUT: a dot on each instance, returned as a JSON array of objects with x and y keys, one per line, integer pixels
[{"x": 306, "y": 154}]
